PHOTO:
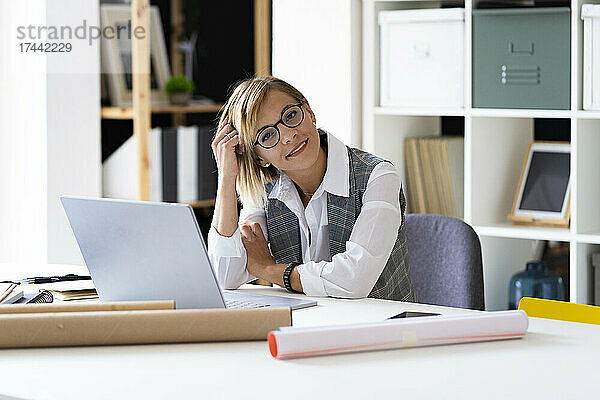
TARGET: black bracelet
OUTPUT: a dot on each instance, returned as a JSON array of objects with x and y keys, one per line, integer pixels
[{"x": 287, "y": 273}]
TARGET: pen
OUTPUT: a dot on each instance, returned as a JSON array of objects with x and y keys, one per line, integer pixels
[{"x": 51, "y": 279}]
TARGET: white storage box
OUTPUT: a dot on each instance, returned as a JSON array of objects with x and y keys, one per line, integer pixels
[
  {"x": 590, "y": 14},
  {"x": 422, "y": 57}
]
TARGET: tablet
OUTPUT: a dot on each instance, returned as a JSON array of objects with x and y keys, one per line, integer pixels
[{"x": 543, "y": 194}]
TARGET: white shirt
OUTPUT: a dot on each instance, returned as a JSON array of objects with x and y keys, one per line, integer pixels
[{"x": 351, "y": 274}]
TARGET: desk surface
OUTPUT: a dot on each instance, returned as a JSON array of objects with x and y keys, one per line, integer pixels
[{"x": 556, "y": 360}]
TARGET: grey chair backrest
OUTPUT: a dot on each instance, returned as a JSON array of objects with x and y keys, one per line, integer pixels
[{"x": 445, "y": 261}]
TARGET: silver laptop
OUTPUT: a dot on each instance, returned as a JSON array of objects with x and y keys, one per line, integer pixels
[{"x": 139, "y": 250}]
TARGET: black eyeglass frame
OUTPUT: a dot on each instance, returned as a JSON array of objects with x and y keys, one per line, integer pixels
[{"x": 280, "y": 122}]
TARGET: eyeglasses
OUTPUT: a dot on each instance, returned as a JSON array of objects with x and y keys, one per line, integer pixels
[{"x": 291, "y": 116}]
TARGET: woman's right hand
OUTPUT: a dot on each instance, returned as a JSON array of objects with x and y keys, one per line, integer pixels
[{"x": 225, "y": 147}]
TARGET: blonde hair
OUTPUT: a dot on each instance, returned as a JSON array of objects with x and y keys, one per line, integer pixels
[{"x": 242, "y": 109}]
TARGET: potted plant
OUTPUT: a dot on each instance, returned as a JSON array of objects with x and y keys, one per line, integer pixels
[{"x": 179, "y": 89}]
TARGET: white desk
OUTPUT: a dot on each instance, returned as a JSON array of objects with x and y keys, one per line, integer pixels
[{"x": 556, "y": 360}]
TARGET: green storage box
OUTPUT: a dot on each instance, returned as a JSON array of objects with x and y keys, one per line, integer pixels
[{"x": 522, "y": 58}]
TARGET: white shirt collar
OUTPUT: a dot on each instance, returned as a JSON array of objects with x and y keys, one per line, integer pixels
[{"x": 335, "y": 181}]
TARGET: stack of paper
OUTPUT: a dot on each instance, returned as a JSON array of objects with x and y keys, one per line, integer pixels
[{"x": 435, "y": 175}]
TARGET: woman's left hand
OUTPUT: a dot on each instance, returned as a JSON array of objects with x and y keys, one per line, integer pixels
[{"x": 258, "y": 254}]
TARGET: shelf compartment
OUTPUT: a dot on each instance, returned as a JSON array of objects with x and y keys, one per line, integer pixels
[
  {"x": 497, "y": 150},
  {"x": 391, "y": 132},
  {"x": 127, "y": 112},
  {"x": 587, "y": 159},
  {"x": 502, "y": 258},
  {"x": 582, "y": 274},
  {"x": 509, "y": 230}
]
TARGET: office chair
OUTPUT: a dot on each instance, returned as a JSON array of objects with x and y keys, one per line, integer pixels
[{"x": 444, "y": 254}]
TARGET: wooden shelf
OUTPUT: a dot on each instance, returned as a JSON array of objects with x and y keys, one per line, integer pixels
[
  {"x": 127, "y": 112},
  {"x": 202, "y": 203},
  {"x": 141, "y": 110}
]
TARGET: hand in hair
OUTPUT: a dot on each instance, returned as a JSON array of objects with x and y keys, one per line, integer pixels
[{"x": 225, "y": 146}]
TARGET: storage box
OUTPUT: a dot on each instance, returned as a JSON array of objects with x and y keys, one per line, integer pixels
[
  {"x": 590, "y": 14},
  {"x": 522, "y": 58},
  {"x": 422, "y": 58}
]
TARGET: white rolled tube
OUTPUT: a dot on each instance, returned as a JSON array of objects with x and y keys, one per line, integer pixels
[{"x": 391, "y": 334}]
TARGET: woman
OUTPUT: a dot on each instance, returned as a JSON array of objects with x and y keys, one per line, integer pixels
[{"x": 318, "y": 217}]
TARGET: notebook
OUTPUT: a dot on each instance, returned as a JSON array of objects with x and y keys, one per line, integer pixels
[{"x": 43, "y": 296}]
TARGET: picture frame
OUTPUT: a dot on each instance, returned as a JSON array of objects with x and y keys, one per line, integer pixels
[
  {"x": 116, "y": 56},
  {"x": 544, "y": 192}
]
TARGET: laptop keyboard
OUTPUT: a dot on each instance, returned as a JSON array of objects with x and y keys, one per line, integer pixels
[{"x": 231, "y": 303}]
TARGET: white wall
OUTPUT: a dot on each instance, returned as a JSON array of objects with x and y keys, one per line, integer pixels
[
  {"x": 317, "y": 48},
  {"x": 73, "y": 120},
  {"x": 49, "y": 131},
  {"x": 22, "y": 137}
]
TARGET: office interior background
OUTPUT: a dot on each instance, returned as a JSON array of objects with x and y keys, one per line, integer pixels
[{"x": 64, "y": 132}]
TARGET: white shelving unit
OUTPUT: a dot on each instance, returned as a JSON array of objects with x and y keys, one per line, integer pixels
[{"x": 496, "y": 141}]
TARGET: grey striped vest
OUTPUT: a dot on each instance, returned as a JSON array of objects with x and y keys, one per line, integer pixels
[{"x": 284, "y": 229}]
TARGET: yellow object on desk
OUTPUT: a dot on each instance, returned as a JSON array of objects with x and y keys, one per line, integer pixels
[{"x": 561, "y": 310}]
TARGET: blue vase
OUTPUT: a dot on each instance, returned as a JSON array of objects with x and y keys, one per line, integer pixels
[{"x": 535, "y": 281}]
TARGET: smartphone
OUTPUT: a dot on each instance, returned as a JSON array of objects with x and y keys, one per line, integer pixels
[{"x": 408, "y": 314}]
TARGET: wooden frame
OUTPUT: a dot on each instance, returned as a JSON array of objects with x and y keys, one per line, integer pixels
[
  {"x": 114, "y": 58},
  {"x": 140, "y": 60},
  {"x": 262, "y": 37},
  {"x": 523, "y": 216}
]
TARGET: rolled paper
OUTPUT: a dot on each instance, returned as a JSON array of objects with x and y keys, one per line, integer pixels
[
  {"x": 392, "y": 334},
  {"x": 139, "y": 326},
  {"x": 79, "y": 307}
]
